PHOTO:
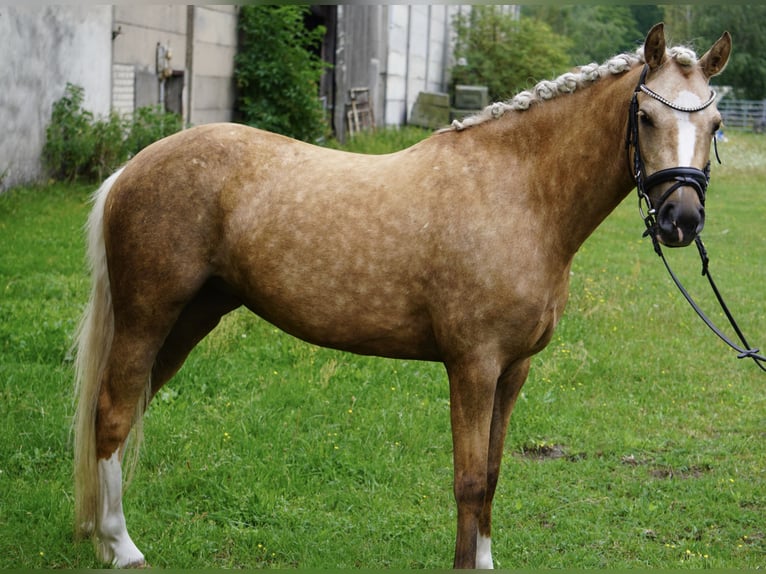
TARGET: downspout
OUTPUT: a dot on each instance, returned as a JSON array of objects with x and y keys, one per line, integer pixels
[
  {"x": 428, "y": 49},
  {"x": 189, "y": 63},
  {"x": 407, "y": 65},
  {"x": 445, "y": 49}
]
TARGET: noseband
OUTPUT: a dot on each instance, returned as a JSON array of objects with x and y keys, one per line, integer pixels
[{"x": 680, "y": 176}]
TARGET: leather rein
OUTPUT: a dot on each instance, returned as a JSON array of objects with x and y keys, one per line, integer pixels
[{"x": 698, "y": 180}]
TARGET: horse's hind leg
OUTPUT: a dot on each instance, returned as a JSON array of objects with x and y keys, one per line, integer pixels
[
  {"x": 121, "y": 398},
  {"x": 198, "y": 318},
  {"x": 140, "y": 363}
]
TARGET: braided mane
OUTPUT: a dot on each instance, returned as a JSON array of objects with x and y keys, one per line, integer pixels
[{"x": 568, "y": 83}]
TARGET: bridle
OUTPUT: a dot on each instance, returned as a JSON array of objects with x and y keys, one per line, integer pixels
[{"x": 698, "y": 180}]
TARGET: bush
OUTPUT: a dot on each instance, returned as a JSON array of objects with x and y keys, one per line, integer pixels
[
  {"x": 150, "y": 123},
  {"x": 69, "y": 141},
  {"x": 80, "y": 147},
  {"x": 278, "y": 73}
]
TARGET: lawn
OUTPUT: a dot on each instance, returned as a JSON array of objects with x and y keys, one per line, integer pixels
[{"x": 639, "y": 440}]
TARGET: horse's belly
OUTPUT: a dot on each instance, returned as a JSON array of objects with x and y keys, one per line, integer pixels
[
  {"x": 368, "y": 330},
  {"x": 341, "y": 309}
]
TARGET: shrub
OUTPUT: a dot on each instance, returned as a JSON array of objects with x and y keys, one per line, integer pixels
[
  {"x": 278, "y": 73},
  {"x": 69, "y": 138},
  {"x": 80, "y": 147},
  {"x": 150, "y": 123}
]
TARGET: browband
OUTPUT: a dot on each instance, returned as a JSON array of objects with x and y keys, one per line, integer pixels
[{"x": 649, "y": 92}]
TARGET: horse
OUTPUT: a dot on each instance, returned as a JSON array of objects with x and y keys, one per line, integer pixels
[{"x": 455, "y": 250}]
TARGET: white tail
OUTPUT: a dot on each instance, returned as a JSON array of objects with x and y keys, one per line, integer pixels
[{"x": 93, "y": 343}]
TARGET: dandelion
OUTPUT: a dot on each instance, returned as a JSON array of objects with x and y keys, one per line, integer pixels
[{"x": 226, "y": 436}]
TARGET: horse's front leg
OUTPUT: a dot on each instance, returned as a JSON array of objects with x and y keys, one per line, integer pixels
[
  {"x": 472, "y": 392},
  {"x": 506, "y": 392}
]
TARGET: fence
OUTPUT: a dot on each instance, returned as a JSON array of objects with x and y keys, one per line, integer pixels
[{"x": 748, "y": 114}]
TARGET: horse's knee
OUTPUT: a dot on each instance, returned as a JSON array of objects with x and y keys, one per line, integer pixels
[{"x": 470, "y": 491}]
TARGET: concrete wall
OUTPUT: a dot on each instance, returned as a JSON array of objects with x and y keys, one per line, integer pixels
[
  {"x": 43, "y": 48},
  {"x": 215, "y": 45},
  {"x": 111, "y": 51},
  {"x": 202, "y": 41}
]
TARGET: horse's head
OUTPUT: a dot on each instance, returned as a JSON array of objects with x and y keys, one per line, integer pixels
[{"x": 673, "y": 120}]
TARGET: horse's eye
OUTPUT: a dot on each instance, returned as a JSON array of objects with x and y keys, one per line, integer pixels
[
  {"x": 645, "y": 119},
  {"x": 716, "y": 126}
]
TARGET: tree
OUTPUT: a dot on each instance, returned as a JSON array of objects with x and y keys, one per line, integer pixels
[
  {"x": 494, "y": 49},
  {"x": 278, "y": 73},
  {"x": 596, "y": 32},
  {"x": 746, "y": 71}
]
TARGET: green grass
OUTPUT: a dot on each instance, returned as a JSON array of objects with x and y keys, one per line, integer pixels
[
  {"x": 382, "y": 141},
  {"x": 638, "y": 440}
]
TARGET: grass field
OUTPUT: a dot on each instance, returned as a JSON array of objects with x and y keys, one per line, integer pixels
[{"x": 639, "y": 441}]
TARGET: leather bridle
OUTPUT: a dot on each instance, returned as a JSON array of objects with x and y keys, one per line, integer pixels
[{"x": 680, "y": 176}]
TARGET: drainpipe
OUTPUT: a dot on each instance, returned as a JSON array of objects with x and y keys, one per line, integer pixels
[
  {"x": 407, "y": 65},
  {"x": 189, "y": 63}
]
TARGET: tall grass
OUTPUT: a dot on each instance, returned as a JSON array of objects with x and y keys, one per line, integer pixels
[{"x": 638, "y": 440}]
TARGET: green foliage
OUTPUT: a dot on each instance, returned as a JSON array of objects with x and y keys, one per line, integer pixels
[
  {"x": 597, "y": 32},
  {"x": 149, "y": 124},
  {"x": 79, "y": 146},
  {"x": 503, "y": 53},
  {"x": 277, "y": 71},
  {"x": 69, "y": 142},
  {"x": 746, "y": 71}
]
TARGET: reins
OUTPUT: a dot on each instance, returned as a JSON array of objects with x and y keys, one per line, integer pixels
[{"x": 680, "y": 176}]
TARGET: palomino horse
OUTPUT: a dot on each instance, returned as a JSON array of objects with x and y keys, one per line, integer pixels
[{"x": 456, "y": 250}]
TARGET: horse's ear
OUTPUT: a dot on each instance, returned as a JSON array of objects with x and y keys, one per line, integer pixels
[
  {"x": 654, "y": 46},
  {"x": 715, "y": 59}
]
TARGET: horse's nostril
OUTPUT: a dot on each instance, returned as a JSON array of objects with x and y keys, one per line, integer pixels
[{"x": 679, "y": 224}]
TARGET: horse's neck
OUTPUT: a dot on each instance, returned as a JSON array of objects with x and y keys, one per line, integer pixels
[{"x": 573, "y": 158}]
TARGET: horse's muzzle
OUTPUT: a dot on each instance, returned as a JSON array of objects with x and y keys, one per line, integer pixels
[
  {"x": 680, "y": 219},
  {"x": 680, "y": 211}
]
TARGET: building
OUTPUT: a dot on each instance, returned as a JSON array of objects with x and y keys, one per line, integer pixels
[{"x": 182, "y": 57}]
